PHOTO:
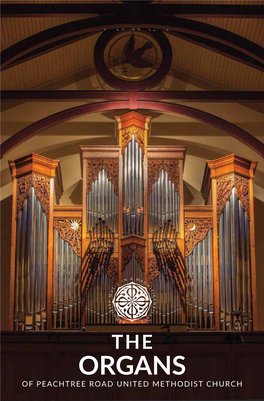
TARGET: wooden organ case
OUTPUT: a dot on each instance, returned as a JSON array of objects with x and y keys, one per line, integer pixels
[{"x": 67, "y": 261}]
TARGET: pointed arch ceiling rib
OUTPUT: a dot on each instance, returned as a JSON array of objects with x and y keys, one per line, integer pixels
[
  {"x": 205, "y": 35},
  {"x": 169, "y": 108}
]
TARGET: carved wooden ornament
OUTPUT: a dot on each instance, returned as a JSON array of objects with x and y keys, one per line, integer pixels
[
  {"x": 170, "y": 166},
  {"x": 95, "y": 166},
  {"x": 195, "y": 231},
  {"x": 139, "y": 137},
  {"x": 70, "y": 234},
  {"x": 112, "y": 269},
  {"x": 224, "y": 186},
  {"x": 154, "y": 270},
  {"x": 41, "y": 185},
  {"x": 127, "y": 251}
]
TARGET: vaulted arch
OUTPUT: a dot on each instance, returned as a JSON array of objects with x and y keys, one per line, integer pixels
[
  {"x": 244, "y": 50},
  {"x": 169, "y": 108}
]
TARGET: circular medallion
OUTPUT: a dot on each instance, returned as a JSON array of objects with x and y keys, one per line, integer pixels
[
  {"x": 132, "y": 301},
  {"x": 133, "y": 59}
]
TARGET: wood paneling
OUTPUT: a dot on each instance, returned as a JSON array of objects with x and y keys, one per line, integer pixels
[
  {"x": 214, "y": 67},
  {"x": 189, "y": 57},
  {"x": 51, "y": 66}
]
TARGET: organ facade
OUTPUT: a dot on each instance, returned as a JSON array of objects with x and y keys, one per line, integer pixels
[{"x": 197, "y": 262}]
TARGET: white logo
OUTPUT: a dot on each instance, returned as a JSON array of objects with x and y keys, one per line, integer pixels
[{"x": 132, "y": 301}]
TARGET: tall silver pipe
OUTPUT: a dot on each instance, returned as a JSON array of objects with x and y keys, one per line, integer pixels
[
  {"x": 18, "y": 272},
  {"x": 248, "y": 269},
  {"x": 125, "y": 194},
  {"x": 228, "y": 266},
  {"x": 205, "y": 282},
  {"x": 133, "y": 172},
  {"x": 210, "y": 278},
  {"x": 166, "y": 196},
  {"x": 173, "y": 206},
  {"x": 195, "y": 303},
  {"x": 37, "y": 267},
  {"x": 159, "y": 203},
  {"x": 162, "y": 198},
  {"x": 199, "y": 285},
  {"x": 153, "y": 208},
  {"x": 233, "y": 250},
  {"x": 222, "y": 271},
  {"x": 244, "y": 297}
]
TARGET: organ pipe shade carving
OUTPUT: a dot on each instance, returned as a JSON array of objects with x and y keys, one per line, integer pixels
[
  {"x": 133, "y": 189},
  {"x": 129, "y": 133},
  {"x": 133, "y": 270},
  {"x": 199, "y": 283},
  {"x": 153, "y": 270},
  {"x": 95, "y": 166},
  {"x": 170, "y": 166},
  {"x": 70, "y": 231},
  {"x": 130, "y": 249},
  {"x": 41, "y": 186},
  {"x": 102, "y": 202},
  {"x": 235, "y": 266},
  {"x": 163, "y": 202},
  {"x": 195, "y": 231},
  {"x": 224, "y": 187},
  {"x": 31, "y": 265}
]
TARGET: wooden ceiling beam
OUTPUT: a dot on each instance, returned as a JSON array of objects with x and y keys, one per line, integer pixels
[
  {"x": 170, "y": 24},
  {"x": 84, "y": 95},
  {"x": 220, "y": 48},
  {"x": 182, "y": 10}
]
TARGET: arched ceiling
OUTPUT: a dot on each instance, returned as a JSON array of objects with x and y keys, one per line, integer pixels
[
  {"x": 78, "y": 56},
  {"x": 194, "y": 68},
  {"x": 203, "y": 142}
]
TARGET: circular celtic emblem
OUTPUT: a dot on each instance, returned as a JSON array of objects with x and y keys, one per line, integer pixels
[{"x": 132, "y": 301}]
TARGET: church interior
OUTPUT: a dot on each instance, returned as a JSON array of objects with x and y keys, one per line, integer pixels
[{"x": 132, "y": 151}]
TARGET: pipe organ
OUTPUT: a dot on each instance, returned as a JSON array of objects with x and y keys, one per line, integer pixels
[
  {"x": 68, "y": 261},
  {"x": 231, "y": 193},
  {"x": 67, "y": 274},
  {"x": 199, "y": 267},
  {"x": 37, "y": 186}
]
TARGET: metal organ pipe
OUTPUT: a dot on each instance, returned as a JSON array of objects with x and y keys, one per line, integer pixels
[
  {"x": 199, "y": 285},
  {"x": 235, "y": 269},
  {"x": 168, "y": 308},
  {"x": 163, "y": 203},
  {"x": 133, "y": 189},
  {"x": 169, "y": 286},
  {"x": 97, "y": 309},
  {"x": 31, "y": 264},
  {"x": 102, "y": 202},
  {"x": 67, "y": 285},
  {"x": 98, "y": 285}
]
